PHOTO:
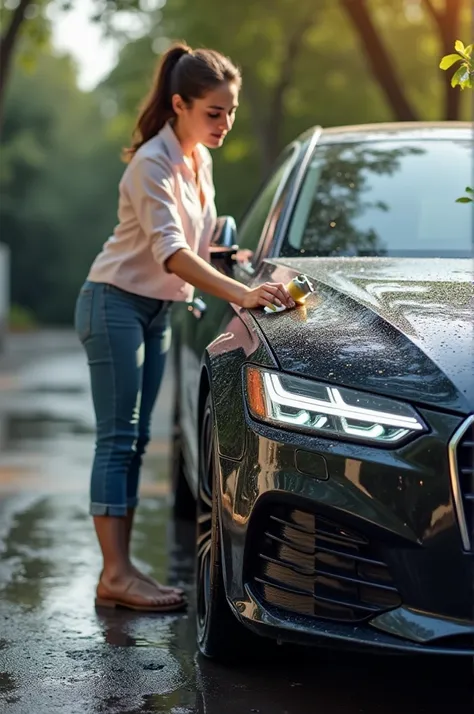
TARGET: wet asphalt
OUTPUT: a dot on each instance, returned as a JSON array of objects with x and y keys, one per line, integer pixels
[{"x": 58, "y": 654}]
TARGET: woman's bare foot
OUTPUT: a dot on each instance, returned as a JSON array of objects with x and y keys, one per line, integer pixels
[{"x": 129, "y": 590}]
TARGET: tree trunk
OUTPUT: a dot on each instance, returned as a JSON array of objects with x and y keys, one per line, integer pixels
[
  {"x": 452, "y": 96},
  {"x": 7, "y": 47},
  {"x": 379, "y": 60},
  {"x": 258, "y": 117},
  {"x": 269, "y": 124},
  {"x": 277, "y": 106},
  {"x": 447, "y": 24}
]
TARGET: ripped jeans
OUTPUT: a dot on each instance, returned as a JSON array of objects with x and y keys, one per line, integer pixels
[{"x": 126, "y": 338}]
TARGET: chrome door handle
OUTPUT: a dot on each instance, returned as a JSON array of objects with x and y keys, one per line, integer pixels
[{"x": 198, "y": 307}]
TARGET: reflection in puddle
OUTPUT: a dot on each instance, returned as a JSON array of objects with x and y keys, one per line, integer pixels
[
  {"x": 47, "y": 421},
  {"x": 46, "y": 598},
  {"x": 7, "y": 683},
  {"x": 40, "y": 427}
]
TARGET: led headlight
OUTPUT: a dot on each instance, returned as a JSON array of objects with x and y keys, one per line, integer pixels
[{"x": 330, "y": 411}]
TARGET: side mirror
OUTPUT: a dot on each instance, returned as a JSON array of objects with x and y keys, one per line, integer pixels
[
  {"x": 223, "y": 246},
  {"x": 225, "y": 233}
]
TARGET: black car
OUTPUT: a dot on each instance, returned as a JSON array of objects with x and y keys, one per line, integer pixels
[{"x": 330, "y": 447}]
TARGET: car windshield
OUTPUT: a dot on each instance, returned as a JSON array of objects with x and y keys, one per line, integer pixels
[{"x": 385, "y": 198}]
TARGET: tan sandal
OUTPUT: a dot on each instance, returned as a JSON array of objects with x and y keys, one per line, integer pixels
[{"x": 104, "y": 598}]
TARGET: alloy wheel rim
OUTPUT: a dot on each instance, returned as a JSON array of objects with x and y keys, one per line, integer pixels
[{"x": 204, "y": 520}]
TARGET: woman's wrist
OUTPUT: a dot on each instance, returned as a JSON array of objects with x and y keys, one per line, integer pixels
[
  {"x": 194, "y": 270},
  {"x": 238, "y": 293}
]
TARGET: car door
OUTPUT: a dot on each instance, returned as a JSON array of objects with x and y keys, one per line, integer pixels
[{"x": 206, "y": 317}]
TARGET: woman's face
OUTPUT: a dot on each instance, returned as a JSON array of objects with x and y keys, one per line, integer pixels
[{"x": 208, "y": 120}]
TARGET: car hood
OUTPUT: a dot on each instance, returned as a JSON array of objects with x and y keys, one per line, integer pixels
[{"x": 395, "y": 326}]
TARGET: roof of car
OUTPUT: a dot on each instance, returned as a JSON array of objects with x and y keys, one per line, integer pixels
[{"x": 407, "y": 130}]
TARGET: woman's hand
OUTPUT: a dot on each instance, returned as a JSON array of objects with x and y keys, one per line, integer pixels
[
  {"x": 194, "y": 270},
  {"x": 243, "y": 256},
  {"x": 267, "y": 295}
]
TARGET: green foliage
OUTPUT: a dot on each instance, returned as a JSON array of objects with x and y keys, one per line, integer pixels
[
  {"x": 466, "y": 199},
  {"x": 36, "y": 22},
  {"x": 464, "y": 74},
  {"x": 126, "y": 86},
  {"x": 59, "y": 174},
  {"x": 21, "y": 319},
  {"x": 462, "y": 78},
  {"x": 32, "y": 28}
]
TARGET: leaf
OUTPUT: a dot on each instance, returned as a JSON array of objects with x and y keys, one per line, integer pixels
[
  {"x": 464, "y": 199},
  {"x": 459, "y": 76},
  {"x": 469, "y": 49},
  {"x": 465, "y": 80},
  {"x": 468, "y": 189},
  {"x": 449, "y": 60},
  {"x": 459, "y": 46}
]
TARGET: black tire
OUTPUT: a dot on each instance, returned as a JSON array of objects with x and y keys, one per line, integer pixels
[
  {"x": 184, "y": 503},
  {"x": 219, "y": 633}
]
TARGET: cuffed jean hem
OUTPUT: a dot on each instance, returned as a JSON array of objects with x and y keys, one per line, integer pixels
[
  {"x": 101, "y": 509},
  {"x": 105, "y": 509}
]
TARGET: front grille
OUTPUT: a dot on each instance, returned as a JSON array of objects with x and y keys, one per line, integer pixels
[
  {"x": 461, "y": 458},
  {"x": 309, "y": 565}
]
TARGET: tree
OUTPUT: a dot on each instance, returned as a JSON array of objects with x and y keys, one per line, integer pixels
[
  {"x": 298, "y": 58},
  {"x": 268, "y": 44},
  {"x": 29, "y": 19},
  {"x": 269, "y": 123},
  {"x": 447, "y": 16},
  {"x": 58, "y": 179},
  {"x": 379, "y": 60}
]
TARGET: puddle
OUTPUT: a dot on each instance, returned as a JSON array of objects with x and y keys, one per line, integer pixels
[
  {"x": 47, "y": 421},
  {"x": 49, "y": 567}
]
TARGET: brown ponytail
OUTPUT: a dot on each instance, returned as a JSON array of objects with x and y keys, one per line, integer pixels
[{"x": 191, "y": 74}]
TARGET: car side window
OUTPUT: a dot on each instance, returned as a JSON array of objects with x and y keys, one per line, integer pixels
[{"x": 253, "y": 223}]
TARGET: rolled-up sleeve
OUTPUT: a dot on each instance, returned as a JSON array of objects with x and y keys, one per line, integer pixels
[{"x": 152, "y": 194}]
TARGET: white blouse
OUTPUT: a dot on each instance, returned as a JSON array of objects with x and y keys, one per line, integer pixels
[{"x": 160, "y": 211}]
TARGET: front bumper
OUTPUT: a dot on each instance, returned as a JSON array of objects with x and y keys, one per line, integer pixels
[
  {"x": 284, "y": 627},
  {"x": 414, "y": 592}
]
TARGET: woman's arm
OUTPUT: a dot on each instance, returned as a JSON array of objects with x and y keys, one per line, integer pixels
[
  {"x": 153, "y": 196},
  {"x": 194, "y": 270}
]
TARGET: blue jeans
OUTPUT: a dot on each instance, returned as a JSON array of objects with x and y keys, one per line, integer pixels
[{"x": 126, "y": 338}]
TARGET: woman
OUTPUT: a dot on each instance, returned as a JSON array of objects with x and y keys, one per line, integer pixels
[{"x": 156, "y": 255}]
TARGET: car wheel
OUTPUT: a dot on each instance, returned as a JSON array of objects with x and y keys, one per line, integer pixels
[
  {"x": 219, "y": 633},
  {"x": 184, "y": 503}
]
